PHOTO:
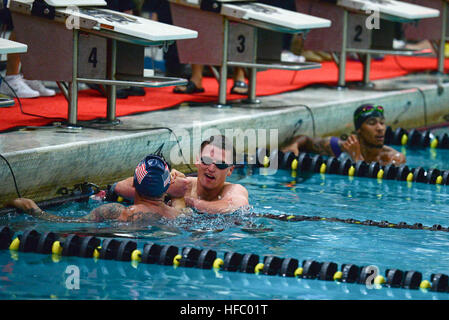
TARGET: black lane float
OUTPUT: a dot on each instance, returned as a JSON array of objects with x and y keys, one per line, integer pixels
[
  {"x": 314, "y": 163},
  {"x": 126, "y": 250}
]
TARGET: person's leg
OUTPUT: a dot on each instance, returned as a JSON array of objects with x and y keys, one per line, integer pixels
[
  {"x": 195, "y": 84},
  {"x": 240, "y": 86},
  {"x": 14, "y": 84},
  {"x": 13, "y": 63}
]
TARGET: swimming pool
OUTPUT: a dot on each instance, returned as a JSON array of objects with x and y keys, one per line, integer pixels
[{"x": 38, "y": 276}]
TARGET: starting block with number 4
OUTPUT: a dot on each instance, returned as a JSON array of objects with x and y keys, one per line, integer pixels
[
  {"x": 363, "y": 27},
  {"x": 239, "y": 34},
  {"x": 89, "y": 44}
]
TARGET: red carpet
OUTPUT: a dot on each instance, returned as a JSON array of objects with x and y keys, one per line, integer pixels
[{"x": 91, "y": 105}]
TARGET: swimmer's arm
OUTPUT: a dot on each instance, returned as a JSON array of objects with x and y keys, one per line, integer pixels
[
  {"x": 125, "y": 188},
  {"x": 30, "y": 207},
  {"x": 109, "y": 211},
  {"x": 395, "y": 157},
  {"x": 232, "y": 200},
  {"x": 304, "y": 143}
]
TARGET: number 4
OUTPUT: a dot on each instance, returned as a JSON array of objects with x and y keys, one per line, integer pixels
[{"x": 93, "y": 57}]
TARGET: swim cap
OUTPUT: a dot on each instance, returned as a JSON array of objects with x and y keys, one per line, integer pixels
[
  {"x": 152, "y": 177},
  {"x": 365, "y": 111}
]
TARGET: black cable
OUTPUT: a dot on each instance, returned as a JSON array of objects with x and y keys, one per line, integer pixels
[
  {"x": 20, "y": 104},
  {"x": 424, "y": 104},
  {"x": 290, "y": 106},
  {"x": 311, "y": 116},
  {"x": 419, "y": 89},
  {"x": 13, "y": 176},
  {"x": 399, "y": 64},
  {"x": 147, "y": 129}
]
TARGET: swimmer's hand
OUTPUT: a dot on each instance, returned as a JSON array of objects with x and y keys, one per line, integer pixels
[
  {"x": 352, "y": 147},
  {"x": 179, "y": 185},
  {"x": 24, "y": 204}
]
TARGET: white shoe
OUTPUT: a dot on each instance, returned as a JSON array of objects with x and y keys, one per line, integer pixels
[
  {"x": 21, "y": 89},
  {"x": 288, "y": 56},
  {"x": 39, "y": 87}
]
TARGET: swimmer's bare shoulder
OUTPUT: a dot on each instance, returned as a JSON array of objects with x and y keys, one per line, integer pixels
[
  {"x": 109, "y": 211},
  {"x": 236, "y": 192},
  {"x": 390, "y": 155},
  {"x": 134, "y": 214}
]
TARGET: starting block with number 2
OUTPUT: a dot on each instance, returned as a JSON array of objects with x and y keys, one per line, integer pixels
[{"x": 363, "y": 27}]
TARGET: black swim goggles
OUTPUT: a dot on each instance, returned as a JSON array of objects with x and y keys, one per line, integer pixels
[{"x": 208, "y": 161}]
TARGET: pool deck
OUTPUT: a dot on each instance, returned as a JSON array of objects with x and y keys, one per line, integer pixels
[{"x": 47, "y": 159}]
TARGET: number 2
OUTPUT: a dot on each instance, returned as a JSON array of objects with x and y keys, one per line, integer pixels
[{"x": 358, "y": 30}]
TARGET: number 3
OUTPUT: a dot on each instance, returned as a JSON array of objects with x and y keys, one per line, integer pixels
[{"x": 241, "y": 47}]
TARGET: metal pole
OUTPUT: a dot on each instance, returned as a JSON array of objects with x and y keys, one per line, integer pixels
[
  {"x": 111, "y": 90},
  {"x": 443, "y": 38},
  {"x": 64, "y": 90},
  {"x": 342, "y": 65},
  {"x": 366, "y": 68},
  {"x": 224, "y": 65},
  {"x": 253, "y": 73},
  {"x": 73, "y": 86}
]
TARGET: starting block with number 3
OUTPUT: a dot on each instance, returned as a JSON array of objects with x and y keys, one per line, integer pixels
[
  {"x": 239, "y": 34},
  {"x": 84, "y": 43},
  {"x": 364, "y": 27}
]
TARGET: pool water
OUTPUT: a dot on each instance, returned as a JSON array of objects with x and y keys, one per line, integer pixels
[{"x": 37, "y": 276}]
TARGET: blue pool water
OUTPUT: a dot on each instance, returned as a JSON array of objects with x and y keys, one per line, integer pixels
[{"x": 36, "y": 276}]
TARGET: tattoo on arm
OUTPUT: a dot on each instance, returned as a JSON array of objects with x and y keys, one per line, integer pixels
[
  {"x": 137, "y": 216},
  {"x": 40, "y": 214},
  {"x": 108, "y": 211},
  {"x": 321, "y": 146}
]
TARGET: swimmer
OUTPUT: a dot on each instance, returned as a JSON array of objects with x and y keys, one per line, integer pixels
[
  {"x": 208, "y": 192},
  {"x": 151, "y": 181},
  {"x": 367, "y": 144}
]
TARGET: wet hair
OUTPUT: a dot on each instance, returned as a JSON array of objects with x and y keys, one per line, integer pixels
[{"x": 366, "y": 111}]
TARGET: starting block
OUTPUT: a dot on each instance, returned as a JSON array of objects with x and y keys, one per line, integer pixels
[
  {"x": 89, "y": 44},
  {"x": 364, "y": 27},
  {"x": 6, "y": 47},
  {"x": 435, "y": 30},
  {"x": 239, "y": 34}
]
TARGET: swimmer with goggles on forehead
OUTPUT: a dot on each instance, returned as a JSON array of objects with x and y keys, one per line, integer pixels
[{"x": 366, "y": 144}]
